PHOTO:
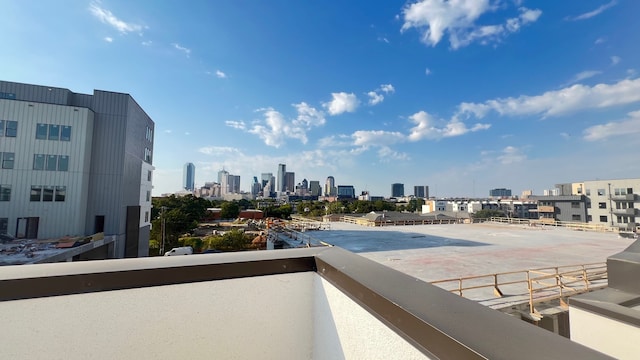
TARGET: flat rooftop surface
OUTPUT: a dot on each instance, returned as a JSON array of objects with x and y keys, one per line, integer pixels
[{"x": 438, "y": 252}]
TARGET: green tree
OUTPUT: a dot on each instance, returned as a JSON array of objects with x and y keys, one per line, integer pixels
[
  {"x": 181, "y": 216},
  {"x": 488, "y": 213},
  {"x": 229, "y": 210}
]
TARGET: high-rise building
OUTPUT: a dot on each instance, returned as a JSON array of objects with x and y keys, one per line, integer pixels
[
  {"x": 330, "y": 187},
  {"x": 188, "y": 177},
  {"x": 397, "y": 190},
  {"x": 282, "y": 170},
  {"x": 421, "y": 191},
  {"x": 314, "y": 188},
  {"x": 346, "y": 191},
  {"x": 75, "y": 164},
  {"x": 501, "y": 192},
  {"x": 289, "y": 181},
  {"x": 256, "y": 187},
  {"x": 234, "y": 184},
  {"x": 221, "y": 175}
]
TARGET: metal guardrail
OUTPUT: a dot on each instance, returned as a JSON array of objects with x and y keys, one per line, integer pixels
[
  {"x": 567, "y": 224},
  {"x": 542, "y": 284}
]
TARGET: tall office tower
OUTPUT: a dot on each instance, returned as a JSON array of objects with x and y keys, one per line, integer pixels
[
  {"x": 421, "y": 191},
  {"x": 304, "y": 185},
  {"x": 397, "y": 190},
  {"x": 221, "y": 174},
  {"x": 289, "y": 181},
  {"x": 188, "y": 177},
  {"x": 501, "y": 192},
  {"x": 314, "y": 188},
  {"x": 346, "y": 192},
  {"x": 282, "y": 169},
  {"x": 256, "y": 187},
  {"x": 234, "y": 184},
  {"x": 75, "y": 164},
  {"x": 330, "y": 187},
  {"x": 265, "y": 178}
]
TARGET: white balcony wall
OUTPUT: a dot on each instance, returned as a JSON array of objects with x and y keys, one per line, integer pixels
[{"x": 609, "y": 336}]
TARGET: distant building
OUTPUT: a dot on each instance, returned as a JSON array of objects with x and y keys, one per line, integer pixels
[
  {"x": 501, "y": 192},
  {"x": 346, "y": 192},
  {"x": 188, "y": 177},
  {"x": 75, "y": 164},
  {"x": 314, "y": 188},
  {"x": 289, "y": 181},
  {"x": 421, "y": 191},
  {"x": 282, "y": 170},
  {"x": 256, "y": 187},
  {"x": 397, "y": 190},
  {"x": 561, "y": 207},
  {"x": 268, "y": 184},
  {"x": 330, "y": 187}
]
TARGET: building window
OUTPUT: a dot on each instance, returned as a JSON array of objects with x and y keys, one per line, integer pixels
[
  {"x": 4, "y": 225},
  {"x": 589, "y": 218},
  {"x": 38, "y": 161},
  {"x": 63, "y": 163},
  {"x": 601, "y": 192},
  {"x": 148, "y": 195},
  {"x": 589, "y": 205},
  {"x": 602, "y": 205},
  {"x": 149, "y": 175},
  {"x": 65, "y": 134},
  {"x": 7, "y": 160},
  {"x": 5, "y": 192},
  {"x": 36, "y": 193},
  {"x": 61, "y": 193},
  {"x": 588, "y": 192},
  {"x": 149, "y": 134},
  {"x": 603, "y": 218},
  {"x": 52, "y": 162},
  {"x": 575, "y": 204},
  {"x": 54, "y": 132},
  {"x": 41, "y": 131},
  {"x": 47, "y": 193},
  {"x": 147, "y": 155},
  {"x": 11, "y": 128},
  {"x": 576, "y": 217},
  {"x": 146, "y": 216}
]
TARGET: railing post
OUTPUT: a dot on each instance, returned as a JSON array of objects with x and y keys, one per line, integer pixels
[
  {"x": 558, "y": 281},
  {"x": 530, "y": 287},
  {"x": 586, "y": 279},
  {"x": 496, "y": 290},
  {"x": 460, "y": 286}
]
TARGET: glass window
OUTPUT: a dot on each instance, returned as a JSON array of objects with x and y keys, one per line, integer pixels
[
  {"x": 575, "y": 217},
  {"x": 54, "y": 132},
  {"x": 63, "y": 163},
  {"x": 575, "y": 204},
  {"x": 1, "y": 127},
  {"x": 4, "y": 225},
  {"x": 61, "y": 193},
  {"x": 588, "y": 192},
  {"x": 36, "y": 193},
  {"x": 5, "y": 192},
  {"x": 146, "y": 216},
  {"x": 52, "y": 162},
  {"x": 149, "y": 175},
  {"x": 589, "y": 218},
  {"x": 7, "y": 160},
  {"x": 11, "y": 128},
  {"x": 41, "y": 131},
  {"x": 603, "y": 218},
  {"x": 600, "y": 192},
  {"x": 38, "y": 161},
  {"x": 148, "y": 195},
  {"x": 602, "y": 205},
  {"x": 65, "y": 134},
  {"x": 47, "y": 193}
]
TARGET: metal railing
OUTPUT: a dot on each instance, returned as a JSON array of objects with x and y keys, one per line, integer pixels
[
  {"x": 567, "y": 224},
  {"x": 540, "y": 285}
]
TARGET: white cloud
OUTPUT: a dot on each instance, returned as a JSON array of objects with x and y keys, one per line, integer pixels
[
  {"x": 220, "y": 74},
  {"x": 168, "y": 131},
  {"x": 376, "y": 137},
  {"x": 387, "y": 88},
  {"x": 107, "y": 17},
  {"x": 383, "y": 39},
  {"x": 235, "y": 124},
  {"x": 600, "y": 40},
  {"x": 218, "y": 150},
  {"x": 187, "y": 51},
  {"x": 629, "y": 126},
  {"x": 335, "y": 141},
  {"x": 593, "y": 13},
  {"x": 342, "y": 102},
  {"x": 147, "y": 43},
  {"x": 457, "y": 19},
  {"x": 557, "y": 102},
  {"x": 374, "y": 98},
  {"x": 583, "y": 76},
  {"x": 615, "y": 60},
  {"x": 386, "y": 155},
  {"x": 426, "y": 127},
  {"x": 274, "y": 129},
  {"x": 427, "y": 71},
  {"x": 108, "y": 39},
  {"x": 511, "y": 155}
]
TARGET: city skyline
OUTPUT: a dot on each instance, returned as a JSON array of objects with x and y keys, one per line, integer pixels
[{"x": 465, "y": 96}]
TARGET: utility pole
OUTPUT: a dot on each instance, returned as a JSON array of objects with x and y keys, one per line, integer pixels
[
  {"x": 610, "y": 205},
  {"x": 163, "y": 229}
]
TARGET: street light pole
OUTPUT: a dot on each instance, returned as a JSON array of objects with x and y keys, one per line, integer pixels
[{"x": 163, "y": 229}]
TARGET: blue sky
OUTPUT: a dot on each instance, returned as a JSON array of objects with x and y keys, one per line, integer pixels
[{"x": 463, "y": 96}]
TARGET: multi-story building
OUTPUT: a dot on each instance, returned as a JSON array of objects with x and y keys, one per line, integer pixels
[
  {"x": 330, "y": 187},
  {"x": 421, "y": 191},
  {"x": 314, "y": 188},
  {"x": 290, "y": 181},
  {"x": 188, "y": 177},
  {"x": 613, "y": 202},
  {"x": 561, "y": 207},
  {"x": 397, "y": 190},
  {"x": 501, "y": 192},
  {"x": 346, "y": 192},
  {"x": 268, "y": 178},
  {"x": 75, "y": 164},
  {"x": 282, "y": 170}
]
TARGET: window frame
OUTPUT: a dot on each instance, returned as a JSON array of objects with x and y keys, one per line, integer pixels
[
  {"x": 32, "y": 194},
  {"x": 10, "y": 131},
  {"x": 8, "y": 160},
  {"x": 5, "y": 193},
  {"x": 60, "y": 194}
]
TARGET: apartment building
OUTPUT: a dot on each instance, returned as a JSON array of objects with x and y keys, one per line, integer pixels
[
  {"x": 561, "y": 208},
  {"x": 613, "y": 202},
  {"x": 75, "y": 164}
]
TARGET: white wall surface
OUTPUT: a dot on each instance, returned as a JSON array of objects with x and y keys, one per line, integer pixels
[{"x": 609, "y": 336}]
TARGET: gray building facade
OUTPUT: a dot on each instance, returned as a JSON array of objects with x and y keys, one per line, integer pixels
[
  {"x": 188, "y": 177},
  {"x": 561, "y": 207},
  {"x": 102, "y": 148}
]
